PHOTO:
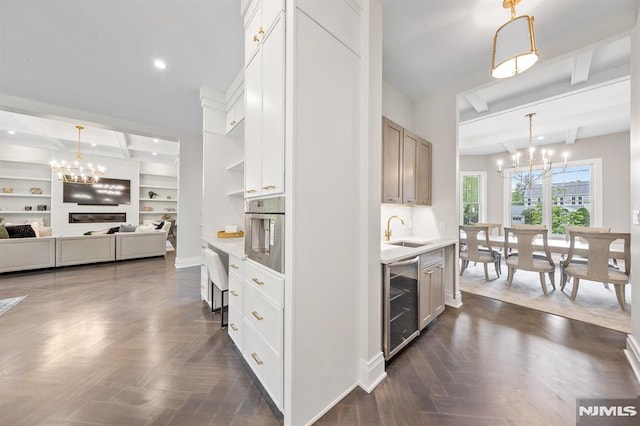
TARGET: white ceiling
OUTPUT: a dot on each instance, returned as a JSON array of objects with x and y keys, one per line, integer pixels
[{"x": 97, "y": 57}]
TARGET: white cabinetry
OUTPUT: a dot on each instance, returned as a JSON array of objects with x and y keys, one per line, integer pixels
[
  {"x": 264, "y": 97},
  {"x": 25, "y": 191},
  {"x": 164, "y": 204},
  {"x": 236, "y": 305},
  {"x": 235, "y": 114}
]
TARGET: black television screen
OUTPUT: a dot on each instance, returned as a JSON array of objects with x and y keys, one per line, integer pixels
[{"x": 107, "y": 192}]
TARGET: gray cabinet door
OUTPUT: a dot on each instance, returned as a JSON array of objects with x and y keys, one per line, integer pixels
[
  {"x": 425, "y": 314},
  {"x": 437, "y": 289},
  {"x": 392, "y": 135},
  {"x": 423, "y": 172},
  {"x": 409, "y": 150}
]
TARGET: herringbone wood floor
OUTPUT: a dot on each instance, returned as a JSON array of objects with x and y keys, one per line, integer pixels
[{"x": 131, "y": 343}]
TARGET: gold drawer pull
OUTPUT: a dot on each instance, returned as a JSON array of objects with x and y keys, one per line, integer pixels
[
  {"x": 257, "y": 315},
  {"x": 257, "y": 359},
  {"x": 233, "y": 122},
  {"x": 269, "y": 187},
  {"x": 233, "y": 292},
  {"x": 261, "y": 31},
  {"x": 257, "y": 281},
  {"x": 250, "y": 191},
  {"x": 233, "y": 327},
  {"x": 234, "y": 266},
  {"x": 255, "y": 38}
]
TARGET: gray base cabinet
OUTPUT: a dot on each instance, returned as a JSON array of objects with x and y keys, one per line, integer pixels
[{"x": 431, "y": 287}]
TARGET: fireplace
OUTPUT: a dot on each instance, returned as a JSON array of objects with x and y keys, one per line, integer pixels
[{"x": 97, "y": 217}]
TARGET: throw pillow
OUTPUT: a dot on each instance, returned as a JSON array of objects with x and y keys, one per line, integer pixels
[
  {"x": 21, "y": 231},
  {"x": 102, "y": 231},
  {"x": 127, "y": 228},
  {"x": 113, "y": 230},
  {"x": 45, "y": 232},
  {"x": 3, "y": 233},
  {"x": 145, "y": 228},
  {"x": 159, "y": 225},
  {"x": 36, "y": 228}
]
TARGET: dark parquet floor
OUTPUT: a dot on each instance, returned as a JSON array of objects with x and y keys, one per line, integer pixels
[{"x": 131, "y": 344}]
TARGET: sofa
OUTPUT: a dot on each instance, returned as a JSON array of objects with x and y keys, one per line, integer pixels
[{"x": 21, "y": 254}]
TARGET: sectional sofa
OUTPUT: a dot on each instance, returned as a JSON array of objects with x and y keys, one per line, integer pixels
[{"x": 21, "y": 254}]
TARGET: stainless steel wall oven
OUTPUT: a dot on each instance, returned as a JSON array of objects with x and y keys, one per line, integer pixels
[{"x": 264, "y": 232}]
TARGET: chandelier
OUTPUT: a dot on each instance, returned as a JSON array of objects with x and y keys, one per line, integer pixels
[
  {"x": 542, "y": 166},
  {"x": 77, "y": 170},
  {"x": 514, "y": 44}
]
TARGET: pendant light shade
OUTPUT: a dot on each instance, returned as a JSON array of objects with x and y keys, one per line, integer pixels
[{"x": 514, "y": 45}]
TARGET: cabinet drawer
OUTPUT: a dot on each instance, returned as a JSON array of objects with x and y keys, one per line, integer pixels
[
  {"x": 265, "y": 318},
  {"x": 236, "y": 327},
  {"x": 236, "y": 265},
  {"x": 264, "y": 362},
  {"x": 431, "y": 257},
  {"x": 236, "y": 292},
  {"x": 265, "y": 282}
]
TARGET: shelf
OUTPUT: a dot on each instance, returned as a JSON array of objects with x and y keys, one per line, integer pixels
[
  {"x": 404, "y": 311},
  {"x": 157, "y": 174},
  {"x": 236, "y": 193},
  {"x": 159, "y": 199},
  {"x": 238, "y": 166},
  {"x": 158, "y": 187},
  {"x": 24, "y": 212},
  {"x": 159, "y": 212},
  {"x": 394, "y": 293},
  {"x": 2, "y": 194},
  {"x": 26, "y": 178}
]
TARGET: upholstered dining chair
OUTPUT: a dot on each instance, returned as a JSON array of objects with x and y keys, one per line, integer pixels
[
  {"x": 529, "y": 226},
  {"x": 492, "y": 226},
  {"x": 579, "y": 259},
  {"x": 478, "y": 249},
  {"x": 522, "y": 257},
  {"x": 597, "y": 267}
]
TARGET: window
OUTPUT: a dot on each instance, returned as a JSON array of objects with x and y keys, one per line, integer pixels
[
  {"x": 472, "y": 202},
  {"x": 562, "y": 197}
]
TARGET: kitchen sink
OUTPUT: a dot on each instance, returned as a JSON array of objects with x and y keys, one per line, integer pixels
[{"x": 407, "y": 244}]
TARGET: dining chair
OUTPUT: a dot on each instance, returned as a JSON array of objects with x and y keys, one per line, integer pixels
[
  {"x": 492, "y": 226},
  {"x": 597, "y": 268},
  {"x": 529, "y": 226},
  {"x": 578, "y": 259},
  {"x": 478, "y": 249},
  {"x": 522, "y": 257}
]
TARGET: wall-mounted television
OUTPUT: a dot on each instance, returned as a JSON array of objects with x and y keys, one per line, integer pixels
[{"x": 107, "y": 192}]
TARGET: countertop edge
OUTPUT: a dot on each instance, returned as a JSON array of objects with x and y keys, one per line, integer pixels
[
  {"x": 399, "y": 253},
  {"x": 232, "y": 246}
]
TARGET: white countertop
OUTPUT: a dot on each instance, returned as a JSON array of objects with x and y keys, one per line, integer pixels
[
  {"x": 232, "y": 246},
  {"x": 390, "y": 253}
]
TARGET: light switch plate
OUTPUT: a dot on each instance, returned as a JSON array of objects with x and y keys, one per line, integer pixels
[{"x": 636, "y": 217}]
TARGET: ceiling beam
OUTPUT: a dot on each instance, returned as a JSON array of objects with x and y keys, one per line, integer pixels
[
  {"x": 581, "y": 67},
  {"x": 477, "y": 102},
  {"x": 509, "y": 147},
  {"x": 123, "y": 142},
  {"x": 572, "y": 134}
]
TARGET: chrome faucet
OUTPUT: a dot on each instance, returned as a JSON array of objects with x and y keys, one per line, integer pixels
[{"x": 387, "y": 233}]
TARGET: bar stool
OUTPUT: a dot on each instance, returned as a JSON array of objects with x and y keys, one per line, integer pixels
[{"x": 218, "y": 277}]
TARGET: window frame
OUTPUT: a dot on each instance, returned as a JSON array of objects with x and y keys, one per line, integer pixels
[{"x": 482, "y": 195}]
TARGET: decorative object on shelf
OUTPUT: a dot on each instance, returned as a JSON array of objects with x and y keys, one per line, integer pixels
[
  {"x": 169, "y": 197},
  {"x": 28, "y": 208},
  {"x": 152, "y": 194},
  {"x": 222, "y": 234},
  {"x": 165, "y": 217},
  {"x": 514, "y": 44},
  {"x": 41, "y": 207},
  {"x": 1, "y": 219},
  {"x": 78, "y": 170},
  {"x": 544, "y": 165},
  {"x": 170, "y": 209},
  {"x": 147, "y": 209},
  {"x": 7, "y": 190},
  {"x": 36, "y": 191}
]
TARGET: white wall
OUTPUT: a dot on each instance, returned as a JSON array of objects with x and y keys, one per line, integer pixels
[
  {"x": 396, "y": 106},
  {"x": 612, "y": 149}
]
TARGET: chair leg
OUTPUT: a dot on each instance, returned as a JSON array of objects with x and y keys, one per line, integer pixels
[
  {"x": 574, "y": 291},
  {"x": 620, "y": 295},
  {"x": 486, "y": 272},
  {"x": 465, "y": 263},
  {"x": 606, "y": 285},
  {"x": 543, "y": 284},
  {"x": 497, "y": 266},
  {"x": 563, "y": 281},
  {"x": 552, "y": 278},
  {"x": 511, "y": 272}
]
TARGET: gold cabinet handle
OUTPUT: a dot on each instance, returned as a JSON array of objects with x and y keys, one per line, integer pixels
[
  {"x": 261, "y": 31},
  {"x": 233, "y": 327},
  {"x": 255, "y": 38},
  {"x": 233, "y": 292},
  {"x": 257, "y": 281},
  {"x": 441, "y": 267},
  {"x": 234, "y": 266},
  {"x": 269, "y": 187},
  {"x": 233, "y": 122},
  {"x": 257, "y": 359},
  {"x": 257, "y": 315},
  {"x": 250, "y": 191}
]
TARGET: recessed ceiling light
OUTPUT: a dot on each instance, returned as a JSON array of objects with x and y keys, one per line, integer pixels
[
  {"x": 154, "y": 153},
  {"x": 93, "y": 144},
  {"x": 12, "y": 132},
  {"x": 160, "y": 64},
  {"x": 540, "y": 138},
  {"x": 156, "y": 140}
]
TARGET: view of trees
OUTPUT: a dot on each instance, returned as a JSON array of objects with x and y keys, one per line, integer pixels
[{"x": 470, "y": 199}]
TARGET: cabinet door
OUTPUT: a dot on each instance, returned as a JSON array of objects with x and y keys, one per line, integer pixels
[
  {"x": 423, "y": 172},
  {"x": 409, "y": 149},
  {"x": 391, "y": 162},
  {"x": 273, "y": 110},
  {"x": 252, "y": 35},
  {"x": 437, "y": 290},
  {"x": 270, "y": 12},
  {"x": 253, "y": 128},
  {"x": 425, "y": 314}
]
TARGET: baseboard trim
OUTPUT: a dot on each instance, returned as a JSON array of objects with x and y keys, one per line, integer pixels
[
  {"x": 188, "y": 262},
  {"x": 453, "y": 300},
  {"x": 371, "y": 372},
  {"x": 330, "y": 406},
  {"x": 633, "y": 355}
]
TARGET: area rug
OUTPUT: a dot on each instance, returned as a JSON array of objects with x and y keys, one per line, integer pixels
[
  {"x": 6, "y": 304},
  {"x": 594, "y": 304}
]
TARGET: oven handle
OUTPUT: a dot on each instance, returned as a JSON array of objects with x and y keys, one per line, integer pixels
[{"x": 406, "y": 262}]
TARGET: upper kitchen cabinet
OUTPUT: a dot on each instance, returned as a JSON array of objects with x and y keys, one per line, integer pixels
[
  {"x": 258, "y": 23},
  {"x": 406, "y": 166},
  {"x": 264, "y": 99}
]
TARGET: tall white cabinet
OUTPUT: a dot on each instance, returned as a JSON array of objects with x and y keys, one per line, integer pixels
[{"x": 25, "y": 192}]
